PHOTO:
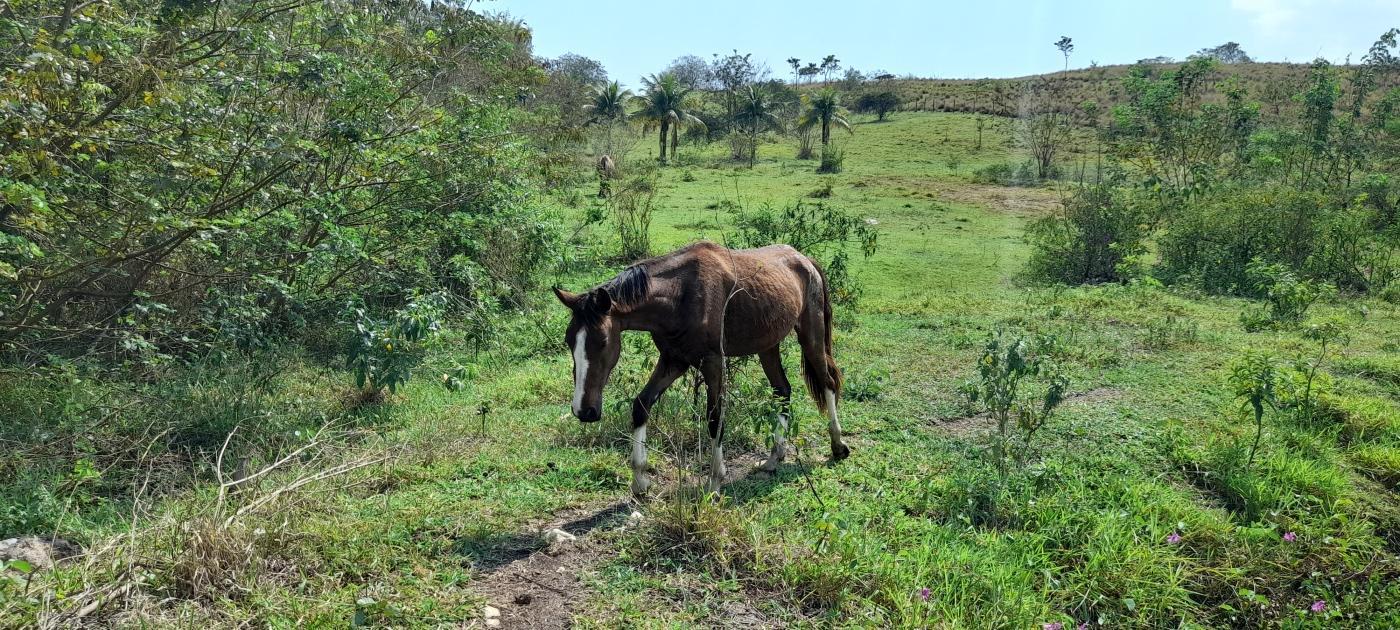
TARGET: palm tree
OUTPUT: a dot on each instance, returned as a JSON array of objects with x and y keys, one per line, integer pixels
[
  {"x": 757, "y": 111},
  {"x": 609, "y": 106},
  {"x": 824, "y": 110},
  {"x": 664, "y": 105}
]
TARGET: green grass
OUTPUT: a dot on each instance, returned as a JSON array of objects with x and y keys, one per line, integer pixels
[{"x": 1148, "y": 446}]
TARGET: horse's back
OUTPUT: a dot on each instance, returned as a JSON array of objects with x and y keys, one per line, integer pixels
[{"x": 763, "y": 292}]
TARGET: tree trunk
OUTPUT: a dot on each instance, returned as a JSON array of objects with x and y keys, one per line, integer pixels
[
  {"x": 753, "y": 145},
  {"x": 665, "y": 126},
  {"x": 826, "y": 132},
  {"x": 675, "y": 138}
]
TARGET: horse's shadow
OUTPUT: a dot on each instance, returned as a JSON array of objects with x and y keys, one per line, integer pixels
[{"x": 491, "y": 551}]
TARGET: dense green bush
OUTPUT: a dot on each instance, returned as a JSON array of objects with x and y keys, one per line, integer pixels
[
  {"x": 1097, "y": 229},
  {"x": 167, "y": 179},
  {"x": 1311, "y": 192},
  {"x": 1011, "y": 174},
  {"x": 382, "y": 352},
  {"x": 1286, "y": 296},
  {"x": 833, "y": 160},
  {"x": 819, "y": 230}
]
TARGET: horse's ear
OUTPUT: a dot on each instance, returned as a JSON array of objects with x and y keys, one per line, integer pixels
[
  {"x": 569, "y": 300},
  {"x": 600, "y": 301}
]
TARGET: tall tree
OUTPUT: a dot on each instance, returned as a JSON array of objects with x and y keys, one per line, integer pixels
[
  {"x": 830, "y": 64},
  {"x": 757, "y": 112},
  {"x": 1066, "y": 46},
  {"x": 1228, "y": 52},
  {"x": 609, "y": 106},
  {"x": 731, "y": 73},
  {"x": 880, "y": 103},
  {"x": 691, "y": 71},
  {"x": 665, "y": 105},
  {"x": 824, "y": 110},
  {"x": 796, "y": 65}
]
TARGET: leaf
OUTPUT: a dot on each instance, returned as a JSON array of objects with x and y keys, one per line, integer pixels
[
  {"x": 20, "y": 565},
  {"x": 1130, "y": 604}
]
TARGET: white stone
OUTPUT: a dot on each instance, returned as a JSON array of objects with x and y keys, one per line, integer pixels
[{"x": 556, "y": 535}]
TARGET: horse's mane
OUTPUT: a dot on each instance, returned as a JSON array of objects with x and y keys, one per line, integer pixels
[
  {"x": 630, "y": 286},
  {"x": 627, "y": 289}
]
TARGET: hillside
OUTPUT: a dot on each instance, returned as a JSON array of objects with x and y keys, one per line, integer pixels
[{"x": 1272, "y": 84}]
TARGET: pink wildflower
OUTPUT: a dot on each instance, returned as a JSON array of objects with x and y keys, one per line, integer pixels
[
  {"x": 924, "y": 593},
  {"x": 1319, "y": 606},
  {"x": 1173, "y": 538},
  {"x": 1054, "y": 625},
  {"x": 1290, "y": 537}
]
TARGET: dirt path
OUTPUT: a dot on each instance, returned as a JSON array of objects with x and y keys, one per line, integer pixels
[{"x": 535, "y": 584}]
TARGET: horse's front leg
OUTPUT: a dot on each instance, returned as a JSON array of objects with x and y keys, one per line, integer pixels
[
  {"x": 665, "y": 373},
  {"x": 772, "y": 361},
  {"x": 713, "y": 370}
]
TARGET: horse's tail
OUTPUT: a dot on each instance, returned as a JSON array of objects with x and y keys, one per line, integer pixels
[{"x": 824, "y": 376}]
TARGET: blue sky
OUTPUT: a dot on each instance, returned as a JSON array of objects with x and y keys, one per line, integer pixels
[{"x": 979, "y": 38}]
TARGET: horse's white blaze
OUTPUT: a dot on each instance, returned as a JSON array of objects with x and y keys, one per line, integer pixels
[{"x": 580, "y": 368}]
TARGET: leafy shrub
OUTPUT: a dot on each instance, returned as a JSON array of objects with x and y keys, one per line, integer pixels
[
  {"x": 346, "y": 167},
  {"x": 1306, "y": 382},
  {"x": 1212, "y": 242},
  {"x": 1287, "y": 297},
  {"x": 819, "y": 230},
  {"x": 1254, "y": 378},
  {"x": 1087, "y": 240},
  {"x": 382, "y": 353},
  {"x": 1005, "y": 363},
  {"x": 632, "y": 207},
  {"x": 832, "y": 159},
  {"x": 1009, "y": 174}
]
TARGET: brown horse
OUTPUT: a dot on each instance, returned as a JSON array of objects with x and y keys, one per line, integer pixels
[{"x": 703, "y": 303}]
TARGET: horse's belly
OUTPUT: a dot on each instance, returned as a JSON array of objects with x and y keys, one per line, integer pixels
[{"x": 751, "y": 333}]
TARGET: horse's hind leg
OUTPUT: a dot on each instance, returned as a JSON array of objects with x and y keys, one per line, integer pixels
[
  {"x": 772, "y": 361},
  {"x": 820, "y": 370},
  {"x": 713, "y": 370}
]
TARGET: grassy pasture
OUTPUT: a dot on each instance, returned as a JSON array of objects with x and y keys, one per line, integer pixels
[{"x": 1137, "y": 512}]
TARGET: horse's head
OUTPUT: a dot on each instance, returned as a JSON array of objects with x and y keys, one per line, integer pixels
[{"x": 596, "y": 342}]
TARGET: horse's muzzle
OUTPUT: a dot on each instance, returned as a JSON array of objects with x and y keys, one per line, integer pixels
[{"x": 589, "y": 414}]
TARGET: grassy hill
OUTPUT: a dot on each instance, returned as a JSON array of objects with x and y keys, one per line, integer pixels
[
  {"x": 1273, "y": 84},
  {"x": 1135, "y": 512}
]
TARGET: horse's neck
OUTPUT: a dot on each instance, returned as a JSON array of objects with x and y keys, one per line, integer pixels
[{"x": 653, "y": 314}]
